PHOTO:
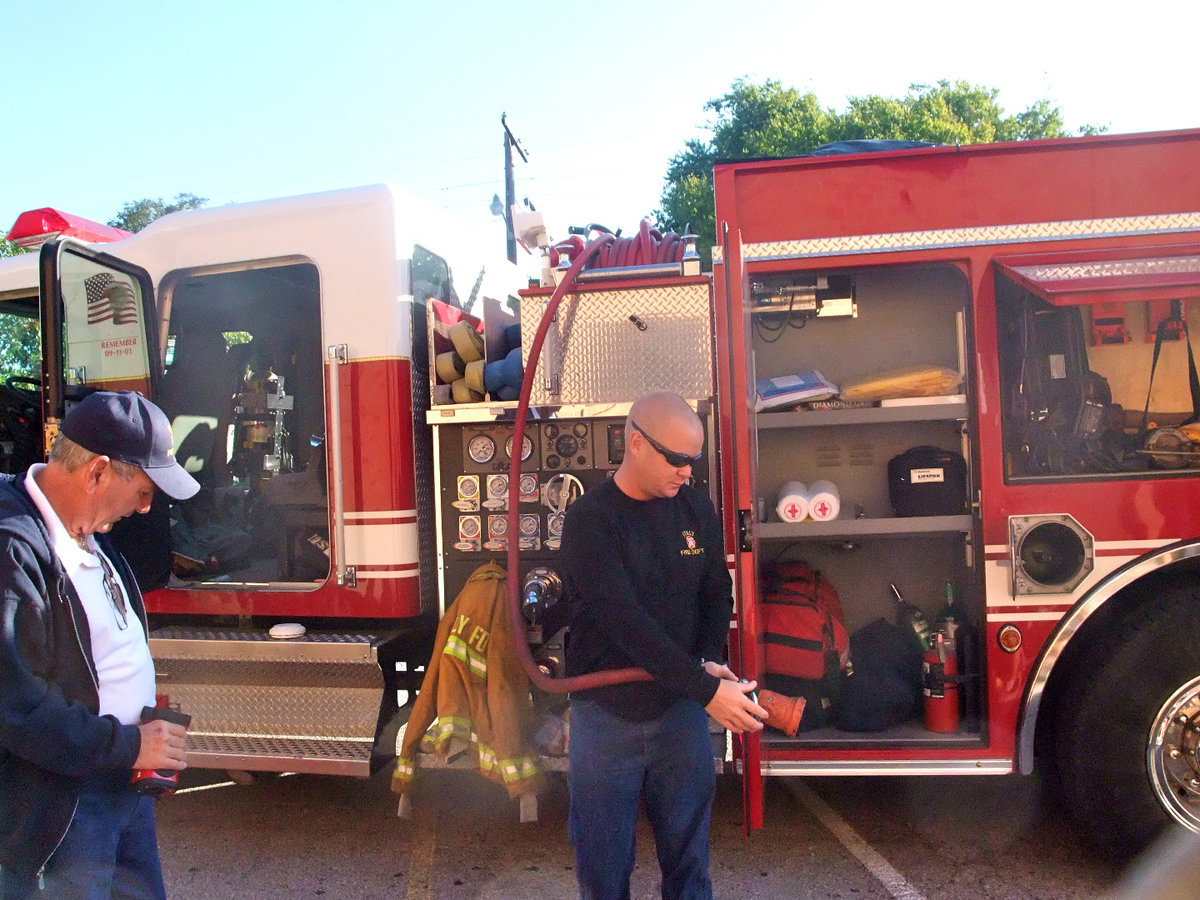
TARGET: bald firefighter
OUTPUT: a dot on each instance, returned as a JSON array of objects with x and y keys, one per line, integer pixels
[{"x": 648, "y": 586}]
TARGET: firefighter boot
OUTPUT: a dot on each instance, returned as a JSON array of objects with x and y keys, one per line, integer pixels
[{"x": 784, "y": 712}]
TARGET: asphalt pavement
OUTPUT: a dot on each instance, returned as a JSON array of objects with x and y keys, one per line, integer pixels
[{"x": 912, "y": 838}]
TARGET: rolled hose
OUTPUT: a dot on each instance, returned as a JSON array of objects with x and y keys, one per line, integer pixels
[
  {"x": 642, "y": 249},
  {"x": 648, "y": 247}
]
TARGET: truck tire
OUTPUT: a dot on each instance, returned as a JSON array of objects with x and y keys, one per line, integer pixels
[{"x": 1127, "y": 733}]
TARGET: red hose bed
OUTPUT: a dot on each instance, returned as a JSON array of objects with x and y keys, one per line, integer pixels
[
  {"x": 605, "y": 251},
  {"x": 648, "y": 247}
]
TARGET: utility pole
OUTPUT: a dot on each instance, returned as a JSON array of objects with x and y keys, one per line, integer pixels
[{"x": 510, "y": 142}]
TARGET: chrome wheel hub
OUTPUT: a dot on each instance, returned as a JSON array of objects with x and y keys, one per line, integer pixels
[{"x": 1173, "y": 755}]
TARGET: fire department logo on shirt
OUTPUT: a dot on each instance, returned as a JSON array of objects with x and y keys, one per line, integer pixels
[
  {"x": 691, "y": 548},
  {"x": 110, "y": 300}
]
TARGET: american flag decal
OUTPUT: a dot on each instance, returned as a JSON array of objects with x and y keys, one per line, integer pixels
[{"x": 110, "y": 300}]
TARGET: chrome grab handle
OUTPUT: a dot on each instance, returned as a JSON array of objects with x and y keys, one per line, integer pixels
[{"x": 346, "y": 576}]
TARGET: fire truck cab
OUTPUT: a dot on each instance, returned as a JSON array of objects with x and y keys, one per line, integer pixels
[{"x": 286, "y": 341}]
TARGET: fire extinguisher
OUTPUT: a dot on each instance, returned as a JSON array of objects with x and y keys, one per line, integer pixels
[{"x": 940, "y": 686}]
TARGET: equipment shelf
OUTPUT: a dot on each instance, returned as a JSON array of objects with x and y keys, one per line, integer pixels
[
  {"x": 924, "y": 410},
  {"x": 909, "y": 733},
  {"x": 891, "y": 527}
]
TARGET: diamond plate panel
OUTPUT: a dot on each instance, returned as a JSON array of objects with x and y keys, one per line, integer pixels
[
  {"x": 1117, "y": 268},
  {"x": 234, "y": 745},
  {"x": 351, "y": 758},
  {"x": 965, "y": 237},
  {"x": 613, "y": 346},
  {"x": 178, "y": 643},
  {"x": 181, "y": 633},
  {"x": 314, "y": 701}
]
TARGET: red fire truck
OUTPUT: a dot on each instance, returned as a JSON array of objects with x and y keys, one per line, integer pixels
[
  {"x": 1047, "y": 284},
  {"x": 1052, "y": 276}
]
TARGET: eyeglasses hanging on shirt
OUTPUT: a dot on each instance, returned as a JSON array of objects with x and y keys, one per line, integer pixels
[{"x": 116, "y": 595}]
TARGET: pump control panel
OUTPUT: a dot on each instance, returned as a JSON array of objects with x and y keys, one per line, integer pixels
[
  {"x": 567, "y": 446},
  {"x": 489, "y": 448},
  {"x": 561, "y": 459}
]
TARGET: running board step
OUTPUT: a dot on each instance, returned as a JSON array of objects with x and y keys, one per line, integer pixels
[
  {"x": 263, "y": 754},
  {"x": 308, "y": 704}
]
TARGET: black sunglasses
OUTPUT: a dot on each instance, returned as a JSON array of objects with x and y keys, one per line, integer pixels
[{"x": 678, "y": 460}]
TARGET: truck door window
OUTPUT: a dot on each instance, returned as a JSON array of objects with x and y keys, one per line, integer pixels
[
  {"x": 105, "y": 343},
  {"x": 1074, "y": 380},
  {"x": 244, "y": 389}
]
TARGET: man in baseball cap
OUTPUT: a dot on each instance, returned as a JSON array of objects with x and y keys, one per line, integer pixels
[
  {"x": 75, "y": 666},
  {"x": 127, "y": 427}
]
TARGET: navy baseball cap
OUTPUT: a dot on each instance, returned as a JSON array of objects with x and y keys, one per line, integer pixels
[{"x": 124, "y": 425}]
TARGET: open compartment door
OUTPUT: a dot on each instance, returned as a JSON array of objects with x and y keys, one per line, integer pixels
[
  {"x": 1075, "y": 407},
  {"x": 739, "y": 474},
  {"x": 1123, "y": 275},
  {"x": 97, "y": 315},
  {"x": 99, "y": 334}
]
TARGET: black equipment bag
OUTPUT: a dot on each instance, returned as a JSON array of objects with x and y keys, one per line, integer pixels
[
  {"x": 1060, "y": 413},
  {"x": 928, "y": 481},
  {"x": 885, "y": 688}
]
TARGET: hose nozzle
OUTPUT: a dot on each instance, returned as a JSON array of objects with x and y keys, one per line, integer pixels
[{"x": 542, "y": 589}]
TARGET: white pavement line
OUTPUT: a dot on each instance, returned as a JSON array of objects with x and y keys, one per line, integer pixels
[
  {"x": 895, "y": 883},
  {"x": 420, "y": 863},
  {"x": 218, "y": 784},
  {"x": 206, "y": 787}
]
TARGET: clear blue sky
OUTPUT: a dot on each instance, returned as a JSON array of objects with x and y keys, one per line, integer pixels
[{"x": 235, "y": 101}]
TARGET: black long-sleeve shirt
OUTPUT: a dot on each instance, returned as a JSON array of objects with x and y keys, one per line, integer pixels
[{"x": 647, "y": 586}]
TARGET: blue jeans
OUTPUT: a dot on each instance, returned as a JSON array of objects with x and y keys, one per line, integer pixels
[
  {"x": 110, "y": 850},
  {"x": 615, "y": 764}
]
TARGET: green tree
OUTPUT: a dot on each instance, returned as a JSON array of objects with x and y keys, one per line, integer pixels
[
  {"x": 137, "y": 214},
  {"x": 755, "y": 120},
  {"x": 20, "y": 348}
]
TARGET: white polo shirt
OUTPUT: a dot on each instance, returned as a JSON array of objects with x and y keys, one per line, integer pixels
[{"x": 123, "y": 665}]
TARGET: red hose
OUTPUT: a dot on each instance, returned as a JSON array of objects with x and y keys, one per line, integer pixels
[
  {"x": 536, "y": 675},
  {"x": 649, "y": 246},
  {"x": 608, "y": 251},
  {"x": 646, "y": 244}
]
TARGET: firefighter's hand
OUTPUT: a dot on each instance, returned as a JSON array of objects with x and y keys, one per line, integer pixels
[
  {"x": 717, "y": 670},
  {"x": 164, "y": 746},
  {"x": 733, "y": 709}
]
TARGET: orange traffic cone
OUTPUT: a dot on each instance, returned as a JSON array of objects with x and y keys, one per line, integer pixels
[{"x": 784, "y": 712}]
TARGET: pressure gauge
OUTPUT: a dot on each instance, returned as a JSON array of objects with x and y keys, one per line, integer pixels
[
  {"x": 529, "y": 488},
  {"x": 481, "y": 448},
  {"x": 566, "y": 445},
  {"x": 526, "y": 446}
]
